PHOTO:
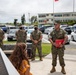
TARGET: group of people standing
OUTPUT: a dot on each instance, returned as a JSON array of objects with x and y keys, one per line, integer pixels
[
  {"x": 36, "y": 37},
  {"x": 19, "y": 59}
]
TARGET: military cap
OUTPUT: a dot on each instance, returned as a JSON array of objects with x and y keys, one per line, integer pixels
[
  {"x": 57, "y": 22},
  {"x": 35, "y": 25}
]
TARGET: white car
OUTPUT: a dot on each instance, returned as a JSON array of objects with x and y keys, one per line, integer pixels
[
  {"x": 27, "y": 27},
  {"x": 11, "y": 36},
  {"x": 63, "y": 26},
  {"x": 48, "y": 30},
  {"x": 73, "y": 36},
  {"x": 29, "y": 31}
]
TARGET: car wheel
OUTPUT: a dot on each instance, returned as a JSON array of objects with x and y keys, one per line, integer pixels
[
  {"x": 68, "y": 42},
  {"x": 72, "y": 38}
]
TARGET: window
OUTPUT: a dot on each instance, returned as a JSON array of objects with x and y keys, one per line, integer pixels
[
  {"x": 58, "y": 15},
  {"x": 42, "y": 16},
  {"x": 47, "y": 19},
  {"x": 66, "y": 14},
  {"x": 51, "y": 14},
  {"x": 47, "y": 14},
  {"x": 73, "y": 14}
]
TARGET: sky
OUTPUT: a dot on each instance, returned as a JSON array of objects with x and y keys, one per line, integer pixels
[{"x": 14, "y": 9}]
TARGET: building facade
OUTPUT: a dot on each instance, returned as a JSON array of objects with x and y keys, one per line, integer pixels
[{"x": 49, "y": 18}]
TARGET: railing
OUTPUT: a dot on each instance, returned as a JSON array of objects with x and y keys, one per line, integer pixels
[{"x": 6, "y": 67}]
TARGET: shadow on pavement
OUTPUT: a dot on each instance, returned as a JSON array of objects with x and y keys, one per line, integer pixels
[
  {"x": 56, "y": 73},
  {"x": 36, "y": 61}
]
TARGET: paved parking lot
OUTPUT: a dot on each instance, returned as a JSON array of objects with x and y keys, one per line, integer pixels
[{"x": 44, "y": 67}]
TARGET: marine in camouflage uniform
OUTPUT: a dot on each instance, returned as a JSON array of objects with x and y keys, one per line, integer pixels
[
  {"x": 58, "y": 33},
  {"x": 1, "y": 37},
  {"x": 21, "y": 35},
  {"x": 36, "y": 37}
]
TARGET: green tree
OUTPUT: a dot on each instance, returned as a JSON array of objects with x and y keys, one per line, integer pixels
[
  {"x": 23, "y": 19},
  {"x": 33, "y": 19},
  {"x": 15, "y": 22}
]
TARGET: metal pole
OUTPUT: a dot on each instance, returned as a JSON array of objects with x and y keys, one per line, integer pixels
[
  {"x": 73, "y": 5},
  {"x": 29, "y": 17},
  {"x": 53, "y": 12},
  {"x": 73, "y": 10}
]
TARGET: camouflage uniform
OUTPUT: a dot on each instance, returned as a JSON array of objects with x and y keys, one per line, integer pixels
[
  {"x": 21, "y": 36},
  {"x": 57, "y": 51},
  {"x": 36, "y": 36},
  {"x": 1, "y": 37}
]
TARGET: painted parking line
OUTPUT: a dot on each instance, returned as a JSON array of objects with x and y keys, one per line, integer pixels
[{"x": 72, "y": 42}]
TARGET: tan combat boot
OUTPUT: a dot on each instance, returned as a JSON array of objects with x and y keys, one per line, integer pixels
[
  {"x": 32, "y": 59},
  {"x": 41, "y": 59},
  {"x": 63, "y": 70},
  {"x": 53, "y": 69}
]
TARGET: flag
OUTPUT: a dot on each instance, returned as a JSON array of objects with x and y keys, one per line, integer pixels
[{"x": 56, "y": 0}]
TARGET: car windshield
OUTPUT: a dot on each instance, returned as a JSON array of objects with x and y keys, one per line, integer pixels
[
  {"x": 13, "y": 31},
  {"x": 31, "y": 27},
  {"x": 25, "y": 28},
  {"x": 29, "y": 31},
  {"x": 48, "y": 28},
  {"x": 75, "y": 28}
]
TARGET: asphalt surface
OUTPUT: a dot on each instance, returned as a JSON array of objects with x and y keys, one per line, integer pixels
[
  {"x": 44, "y": 67},
  {"x": 71, "y": 48}
]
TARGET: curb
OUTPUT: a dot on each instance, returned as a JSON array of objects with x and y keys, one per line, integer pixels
[{"x": 66, "y": 57}]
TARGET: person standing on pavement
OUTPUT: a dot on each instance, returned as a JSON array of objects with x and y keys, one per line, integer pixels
[
  {"x": 21, "y": 35},
  {"x": 1, "y": 37},
  {"x": 58, "y": 38},
  {"x": 36, "y": 37}
]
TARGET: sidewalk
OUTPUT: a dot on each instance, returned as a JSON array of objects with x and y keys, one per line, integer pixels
[{"x": 44, "y": 67}]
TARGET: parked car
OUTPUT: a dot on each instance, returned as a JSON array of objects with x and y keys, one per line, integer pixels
[
  {"x": 4, "y": 28},
  {"x": 73, "y": 35},
  {"x": 63, "y": 26},
  {"x": 73, "y": 28},
  {"x": 29, "y": 31},
  {"x": 10, "y": 28},
  {"x": 39, "y": 26},
  {"x": 68, "y": 30},
  {"x": 42, "y": 29},
  {"x": 48, "y": 30},
  {"x": 28, "y": 27},
  {"x": 31, "y": 27},
  {"x": 11, "y": 35}
]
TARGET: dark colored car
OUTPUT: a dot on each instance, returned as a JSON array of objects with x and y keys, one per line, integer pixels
[
  {"x": 11, "y": 35},
  {"x": 42, "y": 29},
  {"x": 68, "y": 30},
  {"x": 4, "y": 29}
]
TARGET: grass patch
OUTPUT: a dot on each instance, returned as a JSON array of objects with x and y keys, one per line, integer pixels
[
  {"x": 9, "y": 42},
  {"x": 46, "y": 49}
]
